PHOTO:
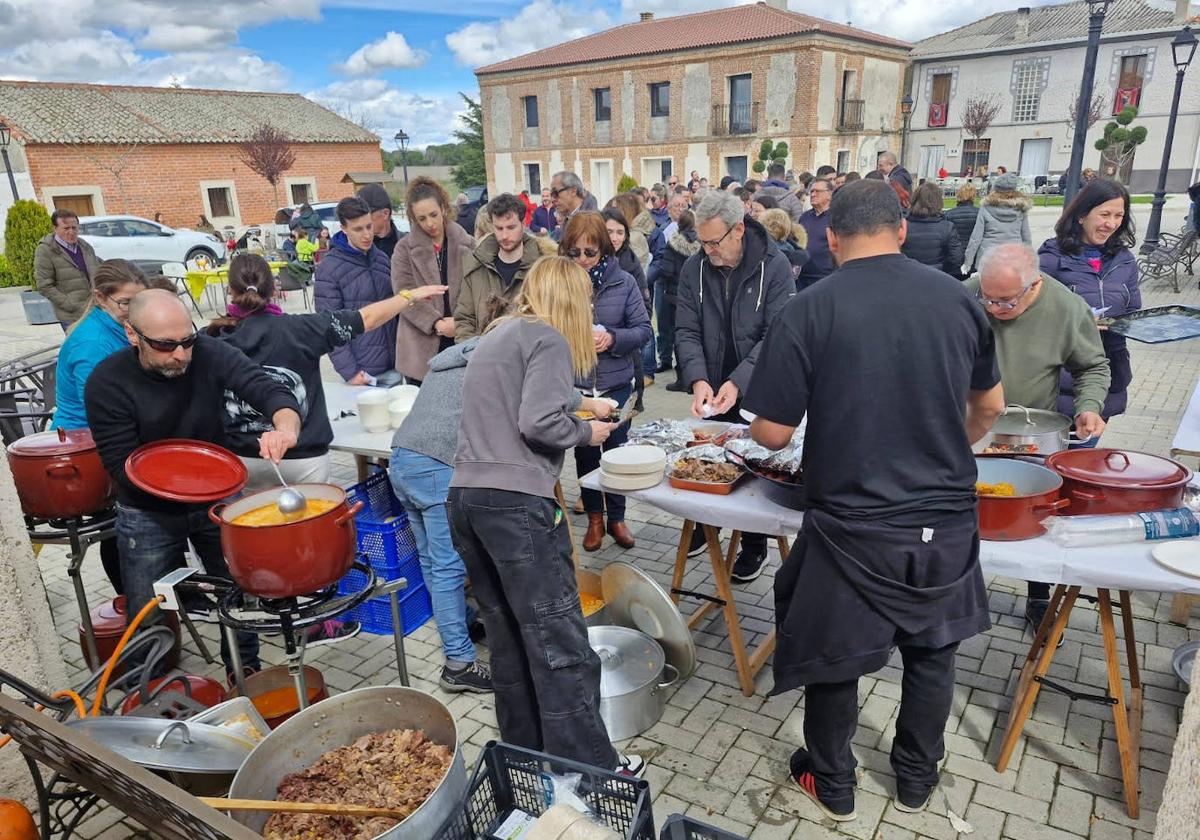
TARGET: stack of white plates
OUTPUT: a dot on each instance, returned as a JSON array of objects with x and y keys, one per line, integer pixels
[{"x": 628, "y": 468}]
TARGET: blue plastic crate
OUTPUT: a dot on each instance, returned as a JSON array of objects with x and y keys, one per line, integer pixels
[
  {"x": 383, "y": 533},
  {"x": 379, "y": 502},
  {"x": 375, "y": 615},
  {"x": 680, "y": 827}
]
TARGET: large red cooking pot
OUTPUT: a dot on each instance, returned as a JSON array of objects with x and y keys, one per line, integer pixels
[
  {"x": 59, "y": 475},
  {"x": 1017, "y": 517},
  {"x": 1115, "y": 481},
  {"x": 293, "y": 558}
]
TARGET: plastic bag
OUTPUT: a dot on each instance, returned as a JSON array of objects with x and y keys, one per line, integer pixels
[{"x": 1109, "y": 529}]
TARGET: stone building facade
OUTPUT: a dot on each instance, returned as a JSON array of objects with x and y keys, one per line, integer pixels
[{"x": 733, "y": 77}]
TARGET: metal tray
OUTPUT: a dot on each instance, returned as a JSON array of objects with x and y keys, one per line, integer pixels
[
  {"x": 787, "y": 494},
  {"x": 1158, "y": 324}
]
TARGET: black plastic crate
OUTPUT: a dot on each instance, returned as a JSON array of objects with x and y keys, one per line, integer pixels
[
  {"x": 679, "y": 827},
  {"x": 507, "y": 778}
]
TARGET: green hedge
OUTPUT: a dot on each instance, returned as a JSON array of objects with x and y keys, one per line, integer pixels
[
  {"x": 27, "y": 223},
  {"x": 6, "y": 278}
]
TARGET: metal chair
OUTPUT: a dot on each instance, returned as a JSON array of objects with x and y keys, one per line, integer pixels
[
  {"x": 297, "y": 277},
  {"x": 1173, "y": 252},
  {"x": 177, "y": 273}
]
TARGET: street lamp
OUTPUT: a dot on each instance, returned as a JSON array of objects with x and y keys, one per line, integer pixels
[
  {"x": 5, "y": 137},
  {"x": 906, "y": 106},
  {"x": 1183, "y": 48},
  {"x": 1097, "y": 9},
  {"x": 402, "y": 141}
]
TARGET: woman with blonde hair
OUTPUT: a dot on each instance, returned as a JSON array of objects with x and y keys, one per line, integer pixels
[
  {"x": 483, "y": 223},
  {"x": 779, "y": 225},
  {"x": 963, "y": 214},
  {"x": 434, "y": 252},
  {"x": 518, "y": 421}
]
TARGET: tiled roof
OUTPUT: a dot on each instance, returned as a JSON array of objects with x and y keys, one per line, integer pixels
[
  {"x": 1063, "y": 22},
  {"x": 733, "y": 25},
  {"x": 49, "y": 112}
]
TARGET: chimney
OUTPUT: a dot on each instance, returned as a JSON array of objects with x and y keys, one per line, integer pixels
[
  {"x": 1023, "y": 23},
  {"x": 778, "y": 4},
  {"x": 645, "y": 16},
  {"x": 1183, "y": 11}
]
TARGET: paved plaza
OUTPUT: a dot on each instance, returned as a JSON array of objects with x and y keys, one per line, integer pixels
[{"x": 722, "y": 757}]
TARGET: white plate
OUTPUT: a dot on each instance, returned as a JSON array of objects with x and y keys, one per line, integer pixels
[
  {"x": 639, "y": 460},
  {"x": 1181, "y": 556},
  {"x": 629, "y": 482}
]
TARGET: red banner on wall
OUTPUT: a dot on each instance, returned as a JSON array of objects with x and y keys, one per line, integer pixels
[
  {"x": 938, "y": 112},
  {"x": 1126, "y": 97}
]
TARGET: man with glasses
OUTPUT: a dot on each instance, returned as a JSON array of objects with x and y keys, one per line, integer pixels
[
  {"x": 728, "y": 294},
  {"x": 1042, "y": 328},
  {"x": 815, "y": 222},
  {"x": 172, "y": 383},
  {"x": 569, "y": 198},
  {"x": 63, "y": 267}
]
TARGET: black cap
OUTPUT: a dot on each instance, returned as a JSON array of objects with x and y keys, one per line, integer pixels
[{"x": 376, "y": 197}]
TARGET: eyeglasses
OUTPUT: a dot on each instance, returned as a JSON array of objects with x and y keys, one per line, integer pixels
[
  {"x": 1009, "y": 304},
  {"x": 576, "y": 253},
  {"x": 708, "y": 244},
  {"x": 167, "y": 345},
  {"x": 122, "y": 303}
]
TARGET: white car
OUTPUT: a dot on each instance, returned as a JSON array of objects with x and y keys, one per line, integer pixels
[
  {"x": 327, "y": 210},
  {"x": 143, "y": 241}
]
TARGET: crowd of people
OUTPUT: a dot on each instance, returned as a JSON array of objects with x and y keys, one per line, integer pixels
[{"x": 853, "y": 301}]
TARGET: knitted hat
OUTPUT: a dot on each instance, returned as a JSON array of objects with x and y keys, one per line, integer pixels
[
  {"x": 1008, "y": 182},
  {"x": 376, "y": 197}
]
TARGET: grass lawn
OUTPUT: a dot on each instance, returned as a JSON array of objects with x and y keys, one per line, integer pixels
[{"x": 1054, "y": 201}]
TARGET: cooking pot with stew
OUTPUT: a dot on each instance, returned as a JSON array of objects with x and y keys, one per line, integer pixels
[
  {"x": 1116, "y": 481},
  {"x": 276, "y": 555},
  {"x": 59, "y": 475},
  {"x": 1027, "y": 431},
  {"x": 1014, "y": 498}
]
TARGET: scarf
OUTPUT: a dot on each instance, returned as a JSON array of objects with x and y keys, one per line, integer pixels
[
  {"x": 596, "y": 272},
  {"x": 1093, "y": 257},
  {"x": 237, "y": 312}
]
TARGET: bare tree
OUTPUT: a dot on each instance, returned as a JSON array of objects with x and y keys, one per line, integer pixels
[
  {"x": 268, "y": 152},
  {"x": 111, "y": 158},
  {"x": 978, "y": 113},
  {"x": 356, "y": 114},
  {"x": 1095, "y": 111}
]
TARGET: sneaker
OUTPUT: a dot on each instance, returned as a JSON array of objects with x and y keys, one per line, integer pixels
[
  {"x": 663, "y": 368},
  {"x": 698, "y": 545},
  {"x": 749, "y": 564},
  {"x": 678, "y": 386},
  {"x": 801, "y": 768},
  {"x": 330, "y": 631},
  {"x": 630, "y": 765},
  {"x": 476, "y": 678},
  {"x": 912, "y": 802},
  {"x": 1035, "y": 611}
]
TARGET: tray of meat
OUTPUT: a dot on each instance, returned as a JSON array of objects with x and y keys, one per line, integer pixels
[
  {"x": 716, "y": 434},
  {"x": 784, "y": 479},
  {"x": 705, "y": 476}
]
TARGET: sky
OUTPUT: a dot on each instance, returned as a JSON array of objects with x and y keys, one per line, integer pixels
[{"x": 388, "y": 64}]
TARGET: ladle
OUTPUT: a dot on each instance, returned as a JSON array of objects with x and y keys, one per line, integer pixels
[{"x": 290, "y": 500}]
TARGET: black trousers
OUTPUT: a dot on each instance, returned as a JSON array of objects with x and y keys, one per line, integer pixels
[
  {"x": 831, "y": 716},
  {"x": 110, "y": 559},
  {"x": 544, "y": 672}
]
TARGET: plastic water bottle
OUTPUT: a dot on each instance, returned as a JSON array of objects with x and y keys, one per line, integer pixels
[{"x": 1077, "y": 531}]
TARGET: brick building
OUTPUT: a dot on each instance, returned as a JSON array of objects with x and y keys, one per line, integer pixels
[
  {"x": 692, "y": 92},
  {"x": 100, "y": 149}
]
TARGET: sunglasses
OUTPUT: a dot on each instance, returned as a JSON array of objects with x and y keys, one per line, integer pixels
[
  {"x": 576, "y": 253},
  {"x": 167, "y": 345}
]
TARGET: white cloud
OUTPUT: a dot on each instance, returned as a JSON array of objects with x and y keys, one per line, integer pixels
[
  {"x": 540, "y": 24},
  {"x": 386, "y": 110},
  {"x": 182, "y": 36},
  {"x": 391, "y": 51},
  {"x": 81, "y": 57}
]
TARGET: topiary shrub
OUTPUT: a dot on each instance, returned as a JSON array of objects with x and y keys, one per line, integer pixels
[
  {"x": 626, "y": 183},
  {"x": 26, "y": 224},
  {"x": 769, "y": 153},
  {"x": 6, "y": 278}
]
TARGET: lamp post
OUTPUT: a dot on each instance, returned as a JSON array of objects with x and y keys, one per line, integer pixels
[
  {"x": 5, "y": 137},
  {"x": 1097, "y": 9},
  {"x": 402, "y": 141},
  {"x": 1183, "y": 48},
  {"x": 906, "y": 106}
]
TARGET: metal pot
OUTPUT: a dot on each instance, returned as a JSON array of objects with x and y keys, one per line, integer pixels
[
  {"x": 59, "y": 475},
  {"x": 589, "y": 584},
  {"x": 340, "y": 721},
  {"x": 1027, "y": 431},
  {"x": 1018, "y": 517},
  {"x": 1115, "y": 481},
  {"x": 631, "y": 679},
  {"x": 293, "y": 558}
]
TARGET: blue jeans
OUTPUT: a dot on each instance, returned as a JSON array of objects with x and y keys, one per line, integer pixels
[
  {"x": 664, "y": 311},
  {"x": 152, "y": 543},
  {"x": 422, "y": 484}
]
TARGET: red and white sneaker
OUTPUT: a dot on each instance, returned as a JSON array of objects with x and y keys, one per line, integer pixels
[{"x": 801, "y": 767}]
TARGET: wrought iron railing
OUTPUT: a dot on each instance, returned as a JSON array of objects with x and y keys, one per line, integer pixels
[
  {"x": 850, "y": 116},
  {"x": 735, "y": 118}
]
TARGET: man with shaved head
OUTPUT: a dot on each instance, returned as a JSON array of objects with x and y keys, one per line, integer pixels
[{"x": 172, "y": 383}]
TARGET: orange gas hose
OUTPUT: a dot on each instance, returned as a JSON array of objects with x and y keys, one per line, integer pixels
[
  {"x": 80, "y": 706},
  {"x": 112, "y": 660}
]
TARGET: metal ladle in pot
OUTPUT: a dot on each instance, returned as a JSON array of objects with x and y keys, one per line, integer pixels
[{"x": 289, "y": 501}]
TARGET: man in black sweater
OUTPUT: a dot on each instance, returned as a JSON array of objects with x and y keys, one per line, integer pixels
[{"x": 171, "y": 384}]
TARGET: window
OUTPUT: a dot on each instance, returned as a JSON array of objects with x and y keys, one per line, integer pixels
[
  {"x": 531, "y": 111},
  {"x": 939, "y": 100},
  {"x": 1029, "y": 78},
  {"x": 300, "y": 194},
  {"x": 603, "y": 99},
  {"x": 136, "y": 228},
  {"x": 533, "y": 178},
  {"x": 736, "y": 166},
  {"x": 843, "y": 160},
  {"x": 975, "y": 155},
  {"x": 81, "y": 204},
  {"x": 220, "y": 201},
  {"x": 1129, "y": 83},
  {"x": 666, "y": 169},
  {"x": 660, "y": 99},
  {"x": 740, "y": 107}
]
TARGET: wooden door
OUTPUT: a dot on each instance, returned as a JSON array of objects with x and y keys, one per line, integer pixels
[{"x": 81, "y": 204}]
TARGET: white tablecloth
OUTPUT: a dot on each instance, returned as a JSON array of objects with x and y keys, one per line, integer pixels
[
  {"x": 1187, "y": 436},
  {"x": 1127, "y": 566},
  {"x": 348, "y": 432}
]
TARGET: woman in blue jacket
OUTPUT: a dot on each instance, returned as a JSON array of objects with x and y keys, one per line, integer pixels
[
  {"x": 620, "y": 327},
  {"x": 1090, "y": 255}
]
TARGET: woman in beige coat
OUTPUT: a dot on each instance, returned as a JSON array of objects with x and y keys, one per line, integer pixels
[{"x": 432, "y": 253}]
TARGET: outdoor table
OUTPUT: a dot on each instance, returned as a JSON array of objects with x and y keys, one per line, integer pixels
[
  {"x": 1186, "y": 443},
  {"x": 348, "y": 432},
  {"x": 199, "y": 281},
  {"x": 1107, "y": 569}
]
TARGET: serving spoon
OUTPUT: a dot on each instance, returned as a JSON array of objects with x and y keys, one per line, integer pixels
[{"x": 290, "y": 500}]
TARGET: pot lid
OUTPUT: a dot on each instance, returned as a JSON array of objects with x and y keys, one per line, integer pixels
[
  {"x": 189, "y": 471},
  {"x": 636, "y": 600},
  {"x": 1118, "y": 468},
  {"x": 1018, "y": 420},
  {"x": 54, "y": 442},
  {"x": 629, "y": 660},
  {"x": 168, "y": 745}
]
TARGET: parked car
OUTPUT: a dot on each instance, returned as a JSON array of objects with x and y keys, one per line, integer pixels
[
  {"x": 143, "y": 241},
  {"x": 477, "y": 194},
  {"x": 327, "y": 211}
]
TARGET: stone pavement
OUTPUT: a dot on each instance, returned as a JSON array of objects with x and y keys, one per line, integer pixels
[{"x": 722, "y": 758}]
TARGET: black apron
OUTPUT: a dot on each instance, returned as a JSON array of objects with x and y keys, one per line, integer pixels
[{"x": 850, "y": 592}]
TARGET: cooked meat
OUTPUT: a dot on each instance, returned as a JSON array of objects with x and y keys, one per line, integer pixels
[
  {"x": 692, "y": 469},
  {"x": 399, "y": 768}
]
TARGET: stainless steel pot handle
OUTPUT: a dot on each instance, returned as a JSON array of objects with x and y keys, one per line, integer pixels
[
  {"x": 1074, "y": 435},
  {"x": 671, "y": 681},
  {"x": 1028, "y": 421},
  {"x": 187, "y": 735}
]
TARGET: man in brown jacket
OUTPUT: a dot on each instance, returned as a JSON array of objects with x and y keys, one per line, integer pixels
[
  {"x": 63, "y": 265},
  {"x": 495, "y": 271}
]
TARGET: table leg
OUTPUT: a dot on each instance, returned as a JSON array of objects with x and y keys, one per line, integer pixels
[
  {"x": 1037, "y": 663},
  {"x": 566, "y": 513},
  {"x": 1127, "y": 743},
  {"x": 363, "y": 466},
  {"x": 1181, "y": 608},
  {"x": 681, "y": 557},
  {"x": 732, "y": 621}
]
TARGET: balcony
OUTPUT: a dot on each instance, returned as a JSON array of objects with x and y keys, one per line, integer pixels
[
  {"x": 850, "y": 116},
  {"x": 735, "y": 118}
]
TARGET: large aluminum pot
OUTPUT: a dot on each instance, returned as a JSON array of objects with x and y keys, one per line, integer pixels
[
  {"x": 1115, "y": 481},
  {"x": 339, "y": 722},
  {"x": 632, "y": 688},
  {"x": 58, "y": 474},
  {"x": 1017, "y": 517},
  {"x": 294, "y": 558},
  {"x": 1026, "y": 431}
]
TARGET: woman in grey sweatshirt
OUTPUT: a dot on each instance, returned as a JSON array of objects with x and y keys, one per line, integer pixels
[{"x": 517, "y": 423}]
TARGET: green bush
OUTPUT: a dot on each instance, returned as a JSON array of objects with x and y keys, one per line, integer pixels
[
  {"x": 627, "y": 183},
  {"x": 27, "y": 223},
  {"x": 6, "y": 278},
  {"x": 769, "y": 153}
]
